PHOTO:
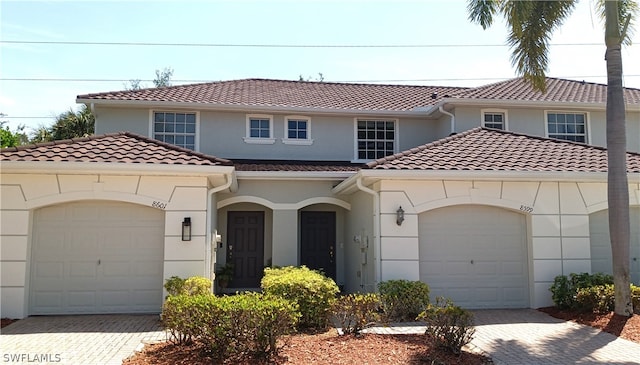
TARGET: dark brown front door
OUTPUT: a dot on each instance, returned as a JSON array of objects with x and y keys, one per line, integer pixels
[
  {"x": 245, "y": 248},
  {"x": 318, "y": 241}
]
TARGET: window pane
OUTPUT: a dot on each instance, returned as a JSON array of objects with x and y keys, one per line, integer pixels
[
  {"x": 580, "y": 118},
  {"x": 159, "y": 117},
  {"x": 179, "y": 140},
  {"x": 254, "y": 133},
  {"x": 191, "y": 118},
  {"x": 190, "y": 128},
  {"x": 180, "y": 128},
  {"x": 551, "y": 118},
  {"x": 158, "y": 127},
  {"x": 302, "y": 135},
  {"x": 264, "y": 133},
  {"x": 190, "y": 140},
  {"x": 169, "y": 127},
  {"x": 254, "y": 123},
  {"x": 180, "y": 118},
  {"x": 169, "y": 139},
  {"x": 169, "y": 117},
  {"x": 291, "y": 124}
]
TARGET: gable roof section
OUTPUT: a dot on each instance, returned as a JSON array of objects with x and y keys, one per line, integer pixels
[
  {"x": 122, "y": 147},
  {"x": 558, "y": 90},
  {"x": 290, "y": 94},
  {"x": 484, "y": 149}
]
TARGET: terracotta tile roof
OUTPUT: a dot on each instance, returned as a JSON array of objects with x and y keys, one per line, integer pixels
[
  {"x": 558, "y": 90},
  {"x": 280, "y": 93},
  {"x": 301, "y": 166},
  {"x": 484, "y": 149},
  {"x": 357, "y": 97},
  {"x": 122, "y": 147}
]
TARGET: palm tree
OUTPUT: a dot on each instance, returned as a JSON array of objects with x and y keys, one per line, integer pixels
[
  {"x": 531, "y": 24},
  {"x": 72, "y": 124}
]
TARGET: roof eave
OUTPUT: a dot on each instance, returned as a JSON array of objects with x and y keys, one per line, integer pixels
[
  {"x": 294, "y": 175},
  {"x": 88, "y": 168},
  {"x": 416, "y": 112},
  {"x": 528, "y": 104}
]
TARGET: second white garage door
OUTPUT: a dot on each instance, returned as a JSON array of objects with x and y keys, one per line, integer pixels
[
  {"x": 97, "y": 257},
  {"x": 475, "y": 255}
]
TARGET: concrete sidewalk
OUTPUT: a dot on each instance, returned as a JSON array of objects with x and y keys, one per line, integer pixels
[{"x": 527, "y": 336}]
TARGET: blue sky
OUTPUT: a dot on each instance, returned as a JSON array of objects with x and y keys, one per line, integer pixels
[{"x": 458, "y": 53}]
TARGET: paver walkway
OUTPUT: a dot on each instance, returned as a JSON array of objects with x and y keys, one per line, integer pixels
[
  {"x": 87, "y": 339},
  {"x": 527, "y": 336}
]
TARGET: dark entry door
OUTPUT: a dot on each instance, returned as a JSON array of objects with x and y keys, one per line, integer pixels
[
  {"x": 245, "y": 248},
  {"x": 318, "y": 241}
]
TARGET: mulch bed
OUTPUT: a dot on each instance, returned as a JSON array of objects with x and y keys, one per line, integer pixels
[
  {"x": 6, "y": 321},
  {"x": 321, "y": 349},
  {"x": 621, "y": 326}
]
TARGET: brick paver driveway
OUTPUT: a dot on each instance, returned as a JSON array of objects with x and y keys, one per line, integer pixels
[{"x": 90, "y": 339}]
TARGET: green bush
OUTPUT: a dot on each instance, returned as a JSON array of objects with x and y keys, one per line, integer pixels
[
  {"x": 448, "y": 326},
  {"x": 313, "y": 292},
  {"x": 564, "y": 290},
  {"x": 174, "y": 285},
  {"x": 403, "y": 300},
  {"x": 355, "y": 312},
  {"x": 597, "y": 299},
  {"x": 197, "y": 285},
  {"x": 635, "y": 298},
  {"x": 231, "y": 326}
]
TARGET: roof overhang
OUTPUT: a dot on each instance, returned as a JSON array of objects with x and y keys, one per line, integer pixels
[
  {"x": 294, "y": 175},
  {"x": 502, "y": 103},
  {"x": 416, "y": 112},
  {"x": 373, "y": 176}
]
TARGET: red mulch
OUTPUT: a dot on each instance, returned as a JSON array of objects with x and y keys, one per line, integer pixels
[
  {"x": 621, "y": 326},
  {"x": 320, "y": 349},
  {"x": 6, "y": 321}
]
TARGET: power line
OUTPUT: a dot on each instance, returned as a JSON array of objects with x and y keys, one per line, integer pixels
[{"x": 250, "y": 45}]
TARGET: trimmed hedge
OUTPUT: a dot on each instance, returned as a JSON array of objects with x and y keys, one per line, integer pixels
[
  {"x": 355, "y": 312},
  {"x": 565, "y": 289},
  {"x": 227, "y": 327},
  {"x": 403, "y": 300},
  {"x": 194, "y": 285},
  {"x": 313, "y": 292}
]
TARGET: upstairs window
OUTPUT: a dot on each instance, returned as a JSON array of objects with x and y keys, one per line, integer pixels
[
  {"x": 496, "y": 119},
  {"x": 175, "y": 128},
  {"x": 259, "y": 129},
  {"x": 297, "y": 130},
  {"x": 567, "y": 126},
  {"x": 375, "y": 138}
]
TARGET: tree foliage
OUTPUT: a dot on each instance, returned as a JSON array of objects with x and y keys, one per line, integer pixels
[
  {"x": 10, "y": 138},
  {"x": 72, "y": 124}
]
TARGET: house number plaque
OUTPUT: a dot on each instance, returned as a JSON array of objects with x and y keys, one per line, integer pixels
[
  {"x": 159, "y": 205},
  {"x": 526, "y": 209}
]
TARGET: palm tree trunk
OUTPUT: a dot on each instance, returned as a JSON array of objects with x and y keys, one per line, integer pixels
[{"x": 618, "y": 188}]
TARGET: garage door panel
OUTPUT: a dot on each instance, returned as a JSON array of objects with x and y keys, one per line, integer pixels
[
  {"x": 475, "y": 255},
  {"x": 99, "y": 260}
]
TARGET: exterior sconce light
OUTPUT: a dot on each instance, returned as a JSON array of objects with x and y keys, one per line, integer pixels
[
  {"x": 186, "y": 229},
  {"x": 399, "y": 216}
]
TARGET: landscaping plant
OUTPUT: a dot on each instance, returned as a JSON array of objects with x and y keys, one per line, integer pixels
[
  {"x": 355, "y": 312},
  {"x": 313, "y": 292},
  {"x": 565, "y": 289},
  {"x": 448, "y": 326},
  {"x": 403, "y": 300}
]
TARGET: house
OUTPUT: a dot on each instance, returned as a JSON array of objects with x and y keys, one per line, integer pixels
[{"x": 484, "y": 193}]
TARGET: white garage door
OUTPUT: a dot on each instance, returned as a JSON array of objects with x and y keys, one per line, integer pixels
[
  {"x": 97, "y": 257},
  {"x": 475, "y": 255},
  {"x": 601, "y": 243}
]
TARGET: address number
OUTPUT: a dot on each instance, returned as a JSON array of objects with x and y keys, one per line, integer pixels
[
  {"x": 527, "y": 209},
  {"x": 159, "y": 205}
]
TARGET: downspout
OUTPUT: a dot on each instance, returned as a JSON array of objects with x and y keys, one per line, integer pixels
[
  {"x": 209, "y": 257},
  {"x": 376, "y": 231},
  {"x": 453, "y": 118}
]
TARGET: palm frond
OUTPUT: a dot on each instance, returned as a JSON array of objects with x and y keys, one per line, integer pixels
[
  {"x": 627, "y": 9},
  {"x": 482, "y": 11}
]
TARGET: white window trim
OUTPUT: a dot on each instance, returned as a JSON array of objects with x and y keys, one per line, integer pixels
[
  {"x": 587, "y": 122},
  {"x": 355, "y": 136},
  {"x": 196, "y": 146},
  {"x": 496, "y": 111},
  {"x": 256, "y": 140},
  {"x": 297, "y": 141}
]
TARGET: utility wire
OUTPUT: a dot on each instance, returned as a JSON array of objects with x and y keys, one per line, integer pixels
[{"x": 235, "y": 45}]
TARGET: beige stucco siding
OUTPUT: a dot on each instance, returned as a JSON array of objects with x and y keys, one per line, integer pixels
[
  {"x": 557, "y": 216},
  {"x": 23, "y": 193}
]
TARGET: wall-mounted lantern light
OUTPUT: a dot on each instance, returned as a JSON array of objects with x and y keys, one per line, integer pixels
[
  {"x": 399, "y": 216},
  {"x": 186, "y": 229}
]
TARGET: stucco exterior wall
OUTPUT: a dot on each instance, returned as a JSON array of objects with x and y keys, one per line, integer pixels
[
  {"x": 359, "y": 244},
  {"x": 22, "y": 194},
  {"x": 557, "y": 216}
]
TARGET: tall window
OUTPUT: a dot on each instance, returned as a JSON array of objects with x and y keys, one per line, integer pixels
[
  {"x": 176, "y": 128},
  {"x": 494, "y": 120},
  {"x": 376, "y": 138},
  {"x": 567, "y": 126}
]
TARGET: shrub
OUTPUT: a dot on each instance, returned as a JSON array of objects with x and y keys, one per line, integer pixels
[
  {"x": 174, "y": 285},
  {"x": 355, "y": 312},
  {"x": 564, "y": 290},
  {"x": 597, "y": 299},
  {"x": 229, "y": 326},
  {"x": 197, "y": 285},
  {"x": 313, "y": 292},
  {"x": 403, "y": 300},
  {"x": 449, "y": 326},
  {"x": 635, "y": 298}
]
